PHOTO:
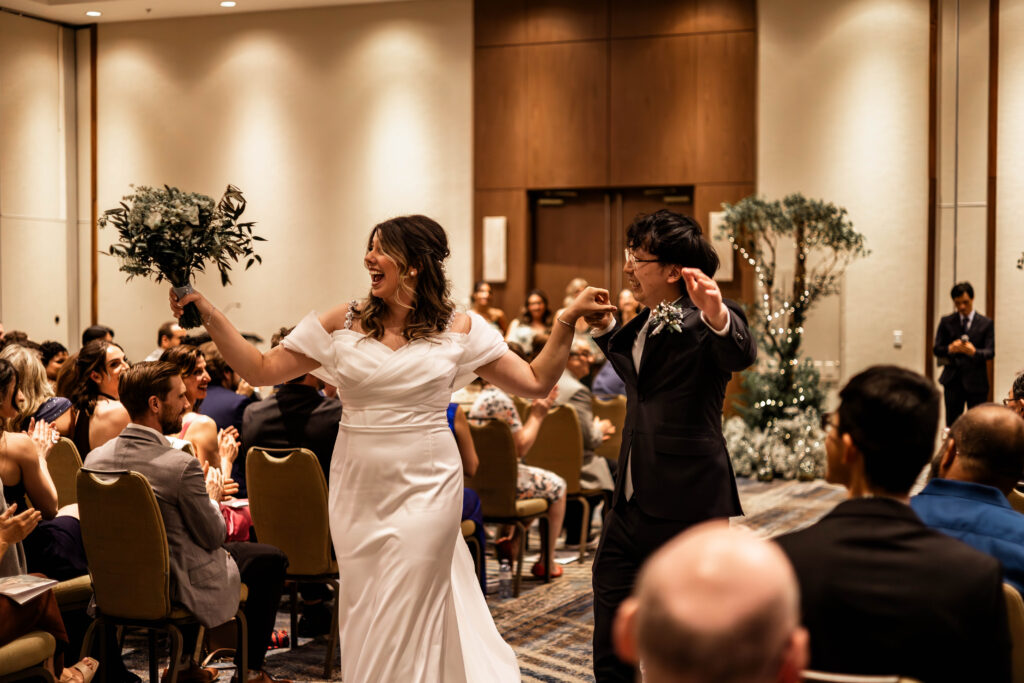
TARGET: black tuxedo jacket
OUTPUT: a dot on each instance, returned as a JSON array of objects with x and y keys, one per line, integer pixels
[
  {"x": 296, "y": 416},
  {"x": 882, "y": 593},
  {"x": 673, "y": 429},
  {"x": 969, "y": 371}
]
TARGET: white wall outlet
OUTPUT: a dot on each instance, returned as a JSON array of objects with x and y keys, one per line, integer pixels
[{"x": 897, "y": 339}]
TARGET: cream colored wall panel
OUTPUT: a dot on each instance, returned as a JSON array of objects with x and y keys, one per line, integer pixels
[
  {"x": 970, "y": 124},
  {"x": 1010, "y": 198},
  {"x": 861, "y": 141},
  {"x": 329, "y": 120},
  {"x": 32, "y": 278},
  {"x": 30, "y": 108}
]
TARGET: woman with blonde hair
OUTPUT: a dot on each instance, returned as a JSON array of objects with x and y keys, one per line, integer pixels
[
  {"x": 409, "y": 602},
  {"x": 39, "y": 403}
]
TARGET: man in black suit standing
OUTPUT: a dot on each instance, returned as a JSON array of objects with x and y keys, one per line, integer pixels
[
  {"x": 964, "y": 342},
  {"x": 879, "y": 589},
  {"x": 675, "y": 359}
]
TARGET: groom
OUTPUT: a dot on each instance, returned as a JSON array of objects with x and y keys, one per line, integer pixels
[{"x": 674, "y": 468}]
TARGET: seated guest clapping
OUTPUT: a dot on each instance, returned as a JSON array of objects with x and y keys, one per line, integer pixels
[
  {"x": 40, "y": 403},
  {"x": 879, "y": 589},
  {"x": 975, "y": 469},
  {"x": 714, "y": 604},
  {"x": 224, "y": 403},
  {"x": 204, "y": 570}
]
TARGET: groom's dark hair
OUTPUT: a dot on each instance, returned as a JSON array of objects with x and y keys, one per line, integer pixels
[{"x": 673, "y": 238}]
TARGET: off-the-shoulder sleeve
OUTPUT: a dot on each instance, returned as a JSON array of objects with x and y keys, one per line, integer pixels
[
  {"x": 482, "y": 345},
  {"x": 311, "y": 340}
]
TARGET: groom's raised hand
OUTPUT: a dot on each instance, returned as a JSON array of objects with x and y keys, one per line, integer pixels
[{"x": 706, "y": 295}]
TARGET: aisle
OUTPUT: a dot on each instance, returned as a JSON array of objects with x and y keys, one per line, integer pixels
[{"x": 550, "y": 626}]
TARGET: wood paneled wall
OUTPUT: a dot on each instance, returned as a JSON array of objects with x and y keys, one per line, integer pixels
[{"x": 612, "y": 93}]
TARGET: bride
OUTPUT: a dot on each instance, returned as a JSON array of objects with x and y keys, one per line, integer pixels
[{"x": 411, "y": 609}]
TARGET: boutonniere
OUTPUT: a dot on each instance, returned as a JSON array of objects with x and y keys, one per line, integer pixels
[{"x": 666, "y": 315}]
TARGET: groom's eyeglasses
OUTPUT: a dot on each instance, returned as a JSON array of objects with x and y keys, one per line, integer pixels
[{"x": 632, "y": 260}]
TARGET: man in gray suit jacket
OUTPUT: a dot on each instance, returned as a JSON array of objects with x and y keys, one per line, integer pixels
[
  {"x": 205, "y": 572},
  {"x": 597, "y": 472}
]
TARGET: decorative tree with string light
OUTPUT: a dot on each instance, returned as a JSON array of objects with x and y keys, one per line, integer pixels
[{"x": 818, "y": 239}]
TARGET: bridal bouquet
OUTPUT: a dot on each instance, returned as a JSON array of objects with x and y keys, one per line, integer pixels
[{"x": 172, "y": 234}]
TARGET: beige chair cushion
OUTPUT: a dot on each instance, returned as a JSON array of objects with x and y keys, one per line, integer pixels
[
  {"x": 26, "y": 652},
  {"x": 468, "y": 527},
  {"x": 531, "y": 507},
  {"x": 1015, "y": 620}
]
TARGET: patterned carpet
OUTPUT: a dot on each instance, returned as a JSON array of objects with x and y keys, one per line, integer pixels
[{"x": 550, "y": 626}]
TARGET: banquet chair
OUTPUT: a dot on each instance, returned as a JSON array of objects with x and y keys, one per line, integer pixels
[
  {"x": 129, "y": 563},
  {"x": 824, "y": 677},
  {"x": 522, "y": 407},
  {"x": 22, "y": 659},
  {"x": 612, "y": 409},
  {"x": 559, "y": 449},
  {"x": 1015, "y": 620},
  {"x": 63, "y": 462},
  {"x": 288, "y": 503},
  {"x": 495, "y": 483},
  {"x": 1016, "y": 499}
]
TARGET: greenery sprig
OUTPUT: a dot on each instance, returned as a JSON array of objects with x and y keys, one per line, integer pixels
[{"x": 171, "y": 235}]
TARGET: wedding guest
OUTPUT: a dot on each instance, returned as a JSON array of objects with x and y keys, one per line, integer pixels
[
  {"x": 41, "y": 613},
  {"x": 17, "y": 337},
  {"x": 535, "y": 319},
  {"x": 215, "y": 448},
  {"x": 53, "y": 355},
  {"x": 89, "y": 378},
  {"x": 297, "y": 415},
  {"x": 169, "y": 335},
  {"x": 1015, "y": 398},
  {"x": 472, "y": 509},
  {"x": 532, "y": 482},
  {"x": 572, "y": 290},
  {"x": 40, "y": 402},
  {"x": 714, "y": 604},
  {"x": 54, "y": 548},
  {"x": 481, "y": 304},
  {"x": 94, "y": 332},
  {"x": 628, "y": 306},
  {"x": 223, "y": 403}
]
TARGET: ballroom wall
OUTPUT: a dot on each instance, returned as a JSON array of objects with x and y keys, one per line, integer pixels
[
  {"x": 1010, "y": 197},
  {"x": 843, "y": 116},
  {"x": 36, "y": 200},
  {"x": 330, "y": 120}
]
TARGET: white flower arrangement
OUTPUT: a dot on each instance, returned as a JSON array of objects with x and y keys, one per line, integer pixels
[{"x": 666, "y": 315}]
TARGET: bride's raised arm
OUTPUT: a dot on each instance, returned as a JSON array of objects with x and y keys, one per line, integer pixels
[
  {"x": 535, "y": 380},
  {"x": 257, "y": 368}
]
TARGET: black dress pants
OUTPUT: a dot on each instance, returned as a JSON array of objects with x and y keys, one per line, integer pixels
[
  {"x": 630, "y": 536},
  {"x": 955, "y": 396},
  {"x": 262, "y": 568}
]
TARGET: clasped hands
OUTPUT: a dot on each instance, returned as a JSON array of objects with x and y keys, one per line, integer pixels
[{"x": 964, "y": 347}]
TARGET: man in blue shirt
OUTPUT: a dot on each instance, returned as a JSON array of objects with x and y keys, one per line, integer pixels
[{"x": 978, "y": 465}]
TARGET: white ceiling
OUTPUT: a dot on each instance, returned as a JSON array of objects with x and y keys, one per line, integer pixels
[{"x": 73, "y": 11}]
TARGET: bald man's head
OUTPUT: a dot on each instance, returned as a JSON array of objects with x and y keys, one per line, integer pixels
[
  {"x": 986, "y": 446},
  {"x": 714, "y": 604}
]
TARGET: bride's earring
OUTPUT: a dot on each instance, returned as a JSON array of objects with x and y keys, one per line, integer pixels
[{"x": 412, "y": 272}]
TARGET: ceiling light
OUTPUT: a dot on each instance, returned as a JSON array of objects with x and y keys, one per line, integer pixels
[
  {"x": 228, "y": 3},
  {"x": 93, "y": 13}
]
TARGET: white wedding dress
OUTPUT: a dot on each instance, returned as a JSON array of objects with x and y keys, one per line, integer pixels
[{"x": 411, "y": 606}]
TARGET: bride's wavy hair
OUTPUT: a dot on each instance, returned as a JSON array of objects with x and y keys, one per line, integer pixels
[{"x": 412, "y": 242}]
